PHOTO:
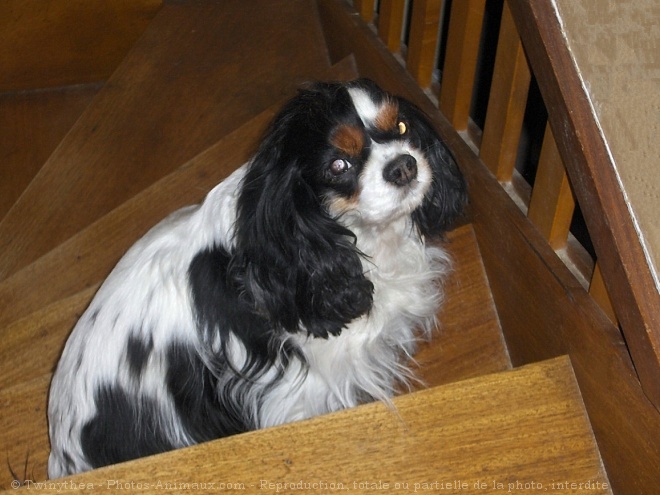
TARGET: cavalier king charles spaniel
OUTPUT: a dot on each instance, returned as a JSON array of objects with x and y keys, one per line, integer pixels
[{"x": 299, "y": 286}]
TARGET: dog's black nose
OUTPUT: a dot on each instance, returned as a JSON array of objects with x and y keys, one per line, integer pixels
[{"x": 401, "y": 171}]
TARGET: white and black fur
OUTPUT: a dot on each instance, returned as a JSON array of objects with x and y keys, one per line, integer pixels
[{"x": 299, "y": 286}]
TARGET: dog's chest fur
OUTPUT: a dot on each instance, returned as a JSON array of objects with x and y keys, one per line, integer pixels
[{"x": 368, "y": 359}]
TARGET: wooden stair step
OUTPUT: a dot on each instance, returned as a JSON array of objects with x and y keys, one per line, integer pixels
[
  {"x": 87, "y": 257},
  {"x": 35, "y": 342},
  {"x": 66, "y": 43},
  {"x": 24, "y": 429},
  {"x": 64, "y": 281},
  {"x": 200, "y": 70},
  {"x": 33, "y": 124},
  {"x": 522, "y": 430},
  {"x": 54, "y": 61},
  {"x": 469, "y": 340},
  {"x": 543, "y": 309}
]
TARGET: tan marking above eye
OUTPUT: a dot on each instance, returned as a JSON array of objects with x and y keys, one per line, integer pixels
[
  {"x": 348, "y": 139},
  {"x": 388, "y": 116}
]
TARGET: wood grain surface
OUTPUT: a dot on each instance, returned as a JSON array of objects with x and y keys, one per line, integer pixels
[
  {"x": 44, "y": 300},
  {"x": 422, "y": 43},
  {"x": 172, "y": 97},
  {"x": 55, "y": 43},
  {"x": 506, "y": 102},
  {"x": 520, "y": 430},
  {"x": 465, "y": 22},
  {"x": 33, "y": 124}
]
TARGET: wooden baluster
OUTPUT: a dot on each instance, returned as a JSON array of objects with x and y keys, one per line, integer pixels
[
  {"x": 465, "y": 24},
  {"x": 600, "y": 294},
  {"x": 390, "y": 23},
  {"x": 423, "y": 40},
  {"x": 552, "y": 203},
  {"x": 365, "y": 8},
  {"x": 507, "y": 101}
]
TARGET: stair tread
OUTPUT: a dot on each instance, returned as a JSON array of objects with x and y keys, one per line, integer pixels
[
  {"x": 65, "y": 43},
  {"x": 24, "y": 429},
  {"x": 33, "y": 124},
  {"x": 527, "y": 427},
  {"x": 88, "y": 256},
  {"x": 200, "y": 70},
  {"x": 45, "y": 299},
  {"x": 469, "y": 340},
  {"x": 65, "y": 280}
]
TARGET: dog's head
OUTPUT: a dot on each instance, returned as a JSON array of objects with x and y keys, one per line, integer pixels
[{"x": 338, "y": 155}]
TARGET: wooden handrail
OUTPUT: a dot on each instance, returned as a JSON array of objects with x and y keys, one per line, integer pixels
[{"x": 625, "y": 269}]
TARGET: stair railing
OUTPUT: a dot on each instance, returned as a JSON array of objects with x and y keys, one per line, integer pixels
[{"x": 445, "y": 46}]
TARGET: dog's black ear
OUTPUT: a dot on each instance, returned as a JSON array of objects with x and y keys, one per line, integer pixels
[
  {"x": 296, "y": 265},
  {"x": 446, "y": 200}
]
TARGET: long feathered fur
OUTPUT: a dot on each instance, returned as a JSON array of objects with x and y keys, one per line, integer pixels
[{"x": 299, "y": 286}]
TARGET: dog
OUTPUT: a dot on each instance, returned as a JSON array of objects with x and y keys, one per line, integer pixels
[{"x": 299, "y": 286}]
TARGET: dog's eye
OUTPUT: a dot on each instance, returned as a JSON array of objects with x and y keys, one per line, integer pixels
[
  {"x": 340, "y": 166},
  {"x": 403, "y": 128}
]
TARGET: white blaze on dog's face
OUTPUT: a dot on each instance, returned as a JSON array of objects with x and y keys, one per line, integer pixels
[{"x": 392, "y": 175}]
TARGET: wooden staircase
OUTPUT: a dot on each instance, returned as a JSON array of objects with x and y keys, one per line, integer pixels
[{"x": 95, "y": 157}]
